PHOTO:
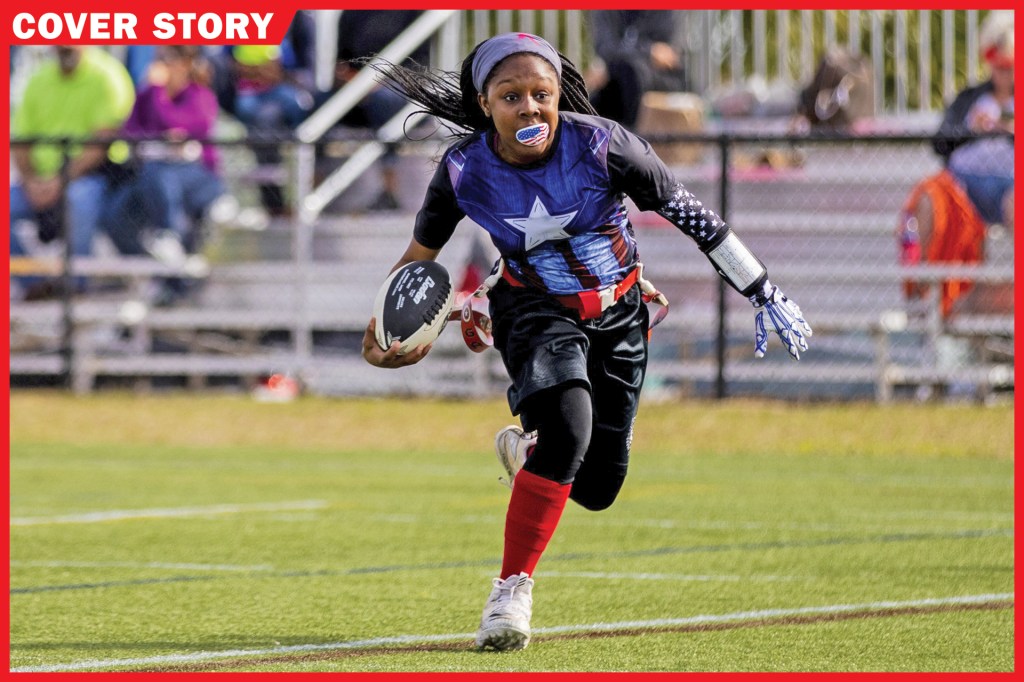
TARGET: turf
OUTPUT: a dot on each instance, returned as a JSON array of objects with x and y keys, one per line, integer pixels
[{"x": 361, "y": 535}]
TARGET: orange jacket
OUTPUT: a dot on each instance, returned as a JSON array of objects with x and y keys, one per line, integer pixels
[{"x": 958, "y": 233}]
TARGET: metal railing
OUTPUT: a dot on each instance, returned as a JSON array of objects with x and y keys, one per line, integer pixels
[
  {"x": 826, "y": 230},
  {"x": 920, "y": 58}
]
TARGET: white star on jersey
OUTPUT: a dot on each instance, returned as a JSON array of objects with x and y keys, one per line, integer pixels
[{"x": 541, "y": 226}]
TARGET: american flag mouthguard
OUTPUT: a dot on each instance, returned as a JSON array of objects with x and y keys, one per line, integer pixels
[{"x": 532, "y": 136}]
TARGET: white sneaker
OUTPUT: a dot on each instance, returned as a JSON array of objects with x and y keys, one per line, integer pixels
[
  {"x": 512, "y": 445},
  {"x": 165, "y": 246},
  {"x": 505, "y": 623}
]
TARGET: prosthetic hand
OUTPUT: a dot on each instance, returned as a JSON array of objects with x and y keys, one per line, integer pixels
[
  {"x": 747, "y": 274},
  {"x": 786, "y": 320}
]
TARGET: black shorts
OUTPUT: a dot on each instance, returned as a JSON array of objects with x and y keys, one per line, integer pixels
[{"x": 544, "y": 344}]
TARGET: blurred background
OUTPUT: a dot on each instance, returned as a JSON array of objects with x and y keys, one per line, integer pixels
[{"x": 234, "y": 236}]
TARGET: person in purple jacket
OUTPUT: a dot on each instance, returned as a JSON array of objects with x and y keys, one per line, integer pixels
[{"x": 175, "y": 180}]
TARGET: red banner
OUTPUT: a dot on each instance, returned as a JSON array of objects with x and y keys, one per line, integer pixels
[{"x": 149, "y": 27}]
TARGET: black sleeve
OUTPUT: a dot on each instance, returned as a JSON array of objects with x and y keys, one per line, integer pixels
[
  {"x": 658, "y": 26},
  {"x": 954, "y": 131},
  {"x": 638, "y": 172},
  {"x": 440, "y": 213},
  {"x": 362, "y": 33},
  {"x": 606, "y": 31},
  {"x": 302, "y": 34},
  {"x": 628, "y": 34}
]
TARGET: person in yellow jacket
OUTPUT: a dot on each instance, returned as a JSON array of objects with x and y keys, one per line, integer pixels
[{"x": 83, "y": 94}]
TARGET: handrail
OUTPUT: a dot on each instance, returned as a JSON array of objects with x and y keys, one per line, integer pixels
[{"x": 321, "y": 120}]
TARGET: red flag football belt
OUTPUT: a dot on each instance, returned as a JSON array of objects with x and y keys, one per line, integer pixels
[
  {"x": 592, "y": 302},
  {"x": 476, "y": 325}
]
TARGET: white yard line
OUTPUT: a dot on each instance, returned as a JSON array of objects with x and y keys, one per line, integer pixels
[
  {"x": 948, "y": 514},
  {"x": 137, "y": 564},
  {"x": 198, "y": 656},
  {"x": 710, "y": 525},
  {"x": 166, "y": 513},
  {"x": 595, "y": 575},
  {"x": 857, "y": 522},
  {"x": 862, "y": 521},
  {"x": 597, "y": 521}
]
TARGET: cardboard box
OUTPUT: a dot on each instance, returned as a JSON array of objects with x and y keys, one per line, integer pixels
[{"x": 667, "y": 113}]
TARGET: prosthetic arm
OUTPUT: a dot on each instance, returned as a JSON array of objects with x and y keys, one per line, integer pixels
[{"x": 744, "y": 271}]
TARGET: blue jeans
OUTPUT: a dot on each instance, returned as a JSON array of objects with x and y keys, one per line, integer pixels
[
  {"x": 987, "y": 193},
  {"x": 85, "y": 198},
  {"x": 281, "y": 107},
  {"x": 165, "y": 195}
]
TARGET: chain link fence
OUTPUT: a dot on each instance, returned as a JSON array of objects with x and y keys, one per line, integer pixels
[{"x": 820, "y": 212}]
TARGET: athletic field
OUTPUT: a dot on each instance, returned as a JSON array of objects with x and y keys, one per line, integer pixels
[{"x": 215, "y": 533}]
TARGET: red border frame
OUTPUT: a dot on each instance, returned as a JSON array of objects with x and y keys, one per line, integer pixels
[{"x": 283, "y": 10}]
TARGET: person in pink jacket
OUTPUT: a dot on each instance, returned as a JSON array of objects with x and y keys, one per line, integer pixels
[{"x": 159, "y": 205}]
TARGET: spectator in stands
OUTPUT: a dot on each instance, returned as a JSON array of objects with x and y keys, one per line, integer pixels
[
  {"x": 984, "y": 166},
  {"x": 361, "y": 34},
  {"x": 945, "y": 216},
  {"x": 138, "y": 59},
  {"x": 269, "y": 88},
  {"x": 640, "y": 51},
  {"x": 84, "y": 94},
  {"x": 176, "y": 179}
]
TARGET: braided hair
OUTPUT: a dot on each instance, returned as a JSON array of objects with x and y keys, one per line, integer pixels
[{"x": 451, "y": 96}]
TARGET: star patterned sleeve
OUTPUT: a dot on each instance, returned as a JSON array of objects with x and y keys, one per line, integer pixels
[
  {"x": 730, "y": 257},
  {"x": 698, "y": 222},
  {"x": 638, "y": 171}
]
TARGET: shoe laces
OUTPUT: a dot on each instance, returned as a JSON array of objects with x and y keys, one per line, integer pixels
[{"x": 506, "y": 591}]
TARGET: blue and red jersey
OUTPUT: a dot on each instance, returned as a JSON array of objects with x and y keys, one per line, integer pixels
[{"x": 561, "y": 224}]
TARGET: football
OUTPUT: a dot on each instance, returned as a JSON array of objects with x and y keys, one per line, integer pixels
[{"x": 413, "y": 305}]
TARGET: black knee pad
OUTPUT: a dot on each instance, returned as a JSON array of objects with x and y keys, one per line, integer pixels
[
  {"x": 563, "y": 419},
  {"x": 596, "y": 497},
  {"x": 600, "y": 477}
]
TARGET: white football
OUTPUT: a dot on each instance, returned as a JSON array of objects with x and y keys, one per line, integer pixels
[{"x": 412, "y": 305}]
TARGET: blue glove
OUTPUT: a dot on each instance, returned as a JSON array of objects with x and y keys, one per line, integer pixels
[{"x": 786, "y": 318}]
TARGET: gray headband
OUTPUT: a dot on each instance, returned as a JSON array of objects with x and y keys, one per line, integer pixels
[{"x": 497, "y": 48}]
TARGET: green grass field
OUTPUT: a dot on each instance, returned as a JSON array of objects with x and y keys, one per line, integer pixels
[{"x": 214, "y": 533}]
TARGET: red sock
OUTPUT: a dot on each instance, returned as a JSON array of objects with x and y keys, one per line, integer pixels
[{"x": 533, "y": 514}]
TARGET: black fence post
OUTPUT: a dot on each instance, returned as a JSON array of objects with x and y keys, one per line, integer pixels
[
  {"x": 723, "y": 208},
  {"x": 67, "y": 280}
]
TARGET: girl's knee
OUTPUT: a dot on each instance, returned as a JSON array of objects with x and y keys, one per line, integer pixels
[
  {"x": 598, "y": 481},
  {"x": 595, "y": 495},
  {"x": 593, "y": 504},
  {"x": 563, "y": 419}
]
